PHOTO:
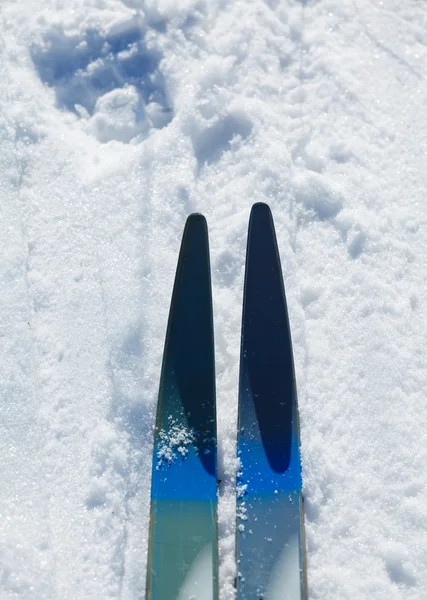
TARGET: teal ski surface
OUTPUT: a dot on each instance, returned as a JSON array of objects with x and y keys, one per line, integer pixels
[
  {"x": 182, "y": 554},
  {"x": 270, "y": 536}
]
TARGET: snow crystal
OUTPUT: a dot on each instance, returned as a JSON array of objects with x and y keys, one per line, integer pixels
[{"x": 174, "y": 442}]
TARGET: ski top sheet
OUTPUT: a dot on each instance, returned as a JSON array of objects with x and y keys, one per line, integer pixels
[
  {"x": 270, "y": 550},
  {"x": 182, "y": 553}
]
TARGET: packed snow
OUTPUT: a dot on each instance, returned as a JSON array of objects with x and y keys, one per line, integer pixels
[{"x": 118, "y": 118}]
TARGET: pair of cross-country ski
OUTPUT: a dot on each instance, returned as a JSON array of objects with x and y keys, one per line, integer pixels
[{"x": 183, "y": 543}]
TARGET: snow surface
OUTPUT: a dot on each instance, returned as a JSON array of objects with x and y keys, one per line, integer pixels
[{"x": 118, "y": 119}]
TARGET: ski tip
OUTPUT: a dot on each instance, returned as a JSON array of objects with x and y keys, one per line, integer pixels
[
  {"x": 195, "y": 235},
  {"x": 261, "y": 214},
  {"x": 195, "y": 217},
  {"x": 195, "y": 222},
  {"x": 259, "y": 209}
]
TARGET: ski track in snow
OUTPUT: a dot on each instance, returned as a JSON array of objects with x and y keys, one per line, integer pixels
[{"x": 118, "y": 119}]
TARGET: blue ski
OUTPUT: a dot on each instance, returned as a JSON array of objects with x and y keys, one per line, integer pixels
[
  {"x": 182, "y": 554},
  {"x": 270, "y": 536}
]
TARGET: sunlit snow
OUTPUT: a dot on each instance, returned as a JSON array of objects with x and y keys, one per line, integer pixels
[{"x": 118, "y": 118}]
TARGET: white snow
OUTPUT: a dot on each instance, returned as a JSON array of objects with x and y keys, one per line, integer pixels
[
  {"x": 118, "y": 118},
  {"x": 174, "y": 443}
]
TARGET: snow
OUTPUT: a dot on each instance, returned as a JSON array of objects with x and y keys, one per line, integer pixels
[
  {"x": 117, "y": 119},
  {"x": 174, "y": 443}
]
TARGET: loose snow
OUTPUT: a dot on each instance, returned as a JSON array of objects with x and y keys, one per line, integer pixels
[
  {"x": 118, "y": 118},
  {"x": 174, "y": 443}
]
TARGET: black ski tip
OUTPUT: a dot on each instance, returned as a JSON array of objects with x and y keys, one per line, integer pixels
[
  {"x": 260, "y": 208},
  {"x": 195, "y": 222},
  {"x": 261, "y": 230},
  {"x": 195, "y": 218}
]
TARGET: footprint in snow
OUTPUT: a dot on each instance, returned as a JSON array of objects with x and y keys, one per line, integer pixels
[{"x": 111, "y": 78}]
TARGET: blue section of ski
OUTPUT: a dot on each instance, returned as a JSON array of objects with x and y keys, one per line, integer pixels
[
  {"x": 188, "y": 471},
  {"x": 270, "y": 537},
  {"x": 259, "y": 478},
  {"x": 182, "y": 555}
]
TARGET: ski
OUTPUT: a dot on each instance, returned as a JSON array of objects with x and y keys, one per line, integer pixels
[
  {"x": 270, "y": 551},
  {"x": 182, "y": 552}
]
